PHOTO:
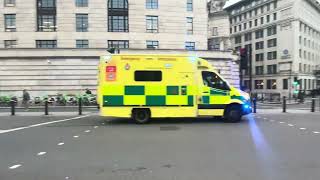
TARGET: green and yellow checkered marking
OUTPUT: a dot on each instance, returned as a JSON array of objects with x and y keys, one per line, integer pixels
[{"x": 153, "y": 95}]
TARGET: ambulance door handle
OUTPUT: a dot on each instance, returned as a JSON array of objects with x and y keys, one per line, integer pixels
[{"x": 206, "y": 92}]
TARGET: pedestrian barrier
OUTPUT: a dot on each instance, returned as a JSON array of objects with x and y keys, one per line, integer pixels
[
  {"x": 13, "y": 108},
  {"x": 284, "y": 104},
  {"x": 46, "y": 108}
]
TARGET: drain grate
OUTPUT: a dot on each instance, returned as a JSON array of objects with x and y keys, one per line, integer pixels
[{"x": 169, "y": 128}]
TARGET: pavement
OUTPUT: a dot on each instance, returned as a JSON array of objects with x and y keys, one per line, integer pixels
[{"x": 264, "y": 146}]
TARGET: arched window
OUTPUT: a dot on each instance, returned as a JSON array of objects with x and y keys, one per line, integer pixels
[{"x": 118, "y": 16}]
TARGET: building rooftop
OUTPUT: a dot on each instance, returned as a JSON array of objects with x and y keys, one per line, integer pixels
[{"x": 232, "y": 3}]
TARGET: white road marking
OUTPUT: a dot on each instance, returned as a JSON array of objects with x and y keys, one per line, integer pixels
[
  {"x": 265, "y": 118},
  {"x": 281, "y": 122},
  {"x": 290, "y": 125},
  {"x": 15, "y": 166},
  {"x": 316, "y": 132},
  {"x": 87, "y": 131},
  {"x": 67, "y": 177},
  {"x": 60, "y": 144},
  {"x": 302, "y": 128},
  {"x": 103, "y": 123},
  {"x": 272, "y": 120},
  {"x": 75, "y": 136},
  {"x": 96, "y": 127},
  {"x": 41, "y": 124},
  {"x": 41, "y": 153}
]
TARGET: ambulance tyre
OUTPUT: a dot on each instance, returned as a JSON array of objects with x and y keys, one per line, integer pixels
[
  {"x": 141, "y": 116},
  {"x": 233, "y": 114}
]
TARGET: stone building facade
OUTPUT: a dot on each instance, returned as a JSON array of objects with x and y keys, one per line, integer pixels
[
  {"x": 53, "y": 46},
  {"x": 284, "y": 36}
]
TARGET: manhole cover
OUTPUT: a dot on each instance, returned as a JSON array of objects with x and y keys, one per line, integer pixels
[{"x": 169, "y": 128}]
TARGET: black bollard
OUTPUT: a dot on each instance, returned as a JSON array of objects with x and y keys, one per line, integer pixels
[
  {"x": 46, "y": 108},
  {"x": 13, "y": 107},
  {"x": 254, "y": 101},
  {"x": 313, "y": 104},
  {"x": 284, "y": 105},
  {"x": 80, "y": 106}
]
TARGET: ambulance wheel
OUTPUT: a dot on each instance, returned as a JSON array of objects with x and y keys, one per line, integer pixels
[
  {"x": 233, "y": 114},
  {"x": 141, "y": 116}
]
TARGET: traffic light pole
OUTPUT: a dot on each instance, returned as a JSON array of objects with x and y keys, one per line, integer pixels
[
  {"x": 240, "y": 75},
  {"x": 250, "y": 67}
]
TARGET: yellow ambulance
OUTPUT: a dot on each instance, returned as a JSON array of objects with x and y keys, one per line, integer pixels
[{"x": 164, "y": 86}]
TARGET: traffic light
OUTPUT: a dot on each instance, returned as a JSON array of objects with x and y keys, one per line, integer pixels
[
  {"x": 243, "y": 58},
  {"x": 295, "y": 81}
]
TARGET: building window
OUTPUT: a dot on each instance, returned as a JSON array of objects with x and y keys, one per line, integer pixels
[
  {"x": 118, "y": 20},
  {"x": 118, "y": 24},
  {"x": 248, "y": 36},
  {"x": 152, "y": 44},
  {"x": 121, "y": 44},
  {"x": 259, "y": 45},
  {"x": 258, "y": 84},
  {"x": 256, "y": 22},
  {"x": 82, "y": 43},
  {"x": 215, "y": 31},
  {"x": 152, "y": 24},
  {"x": 237, "y": 40},
  {"x": 274, "y": 16},
  {"x": 268, "y": 7},
  {"x": 272, "y": 30},
  {"x": 9, "y": 3},
  {"x": 272, "y": 69},
  {"x": 46, "y": 16},
  {"x": 46, "y": 3},
  {"x": 82, "y": 3},
  {"x": 250, "y": 24},
  {"x": 47, "y": 23},
  {"x": 152, "y": 4},
  {"x": 285, "y": 84},
  {"x": 10, "y": 43},
  {"x": 244, "y": 26},
  {"x": 261, "y": 20},
  {"x": 190, "y": 45},
  {"x": 240, "y": 27},
  {"x": 189, "y": 25},
  {"x": 268, "y": 18},
  {"x": 189, "y": 5},
  {"x": 272, "y": 43},
  {"x": 300, "y": 67},
  {"x": 214, "y": 44},
  {"x": 235, "y": 29},
  {"x": 260, "y": 57},
  {"x": 10, "y": 22},
  {"x": 271, "y": 84},
  {"x": 46, "y": 43},
  {"x": 259, "y": 70},
  {"x": 272, "y": 55},
  {"x": 259, "y": 34},
  {"x": 275, "y": 5},
  {"x": 300, "y": 53},
  {"x": 82, "y": 23}
]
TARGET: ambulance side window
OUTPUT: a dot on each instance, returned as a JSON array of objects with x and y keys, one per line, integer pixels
[
  {"x": 148, "y": 76},
  {"x": 212, "y": 80}
]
